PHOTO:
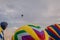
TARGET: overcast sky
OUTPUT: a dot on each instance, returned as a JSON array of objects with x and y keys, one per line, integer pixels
[{"x": 41, "y": 12}]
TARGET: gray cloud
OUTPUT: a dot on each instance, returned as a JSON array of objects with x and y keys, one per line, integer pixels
[{"x": 42, "y": 12}]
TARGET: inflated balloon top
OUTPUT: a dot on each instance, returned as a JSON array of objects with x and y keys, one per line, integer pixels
[
  {"x": 54, "y": 31},
  {"x": 3, "y": 25},
  {"x": 30, "y": 32}
]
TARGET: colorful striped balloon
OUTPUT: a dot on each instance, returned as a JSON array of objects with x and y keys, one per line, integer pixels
[
  {"x": 30, "y": 32},
  {"x": 54, "y": 31}
]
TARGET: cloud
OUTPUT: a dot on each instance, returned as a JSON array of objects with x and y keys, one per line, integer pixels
[{"x": 34, "y": 11}]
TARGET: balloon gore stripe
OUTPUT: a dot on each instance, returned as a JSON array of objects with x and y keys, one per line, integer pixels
[{"x": 54, "y": 31}]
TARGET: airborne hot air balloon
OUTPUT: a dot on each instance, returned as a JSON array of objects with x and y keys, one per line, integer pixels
[
  {"x": 54, "y": 31},
  {"x": 30, "y": 32}
]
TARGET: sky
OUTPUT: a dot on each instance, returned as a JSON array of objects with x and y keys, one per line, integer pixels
[{"x": 41, "y": 12}]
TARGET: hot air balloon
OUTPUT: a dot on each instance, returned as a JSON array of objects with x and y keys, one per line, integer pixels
[
  {"x": 30, "y": 32},
  {"x": 53, "y": 31}
]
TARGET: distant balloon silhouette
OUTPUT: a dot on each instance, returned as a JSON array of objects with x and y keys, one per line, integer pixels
[{"x": 22, "y": 15}]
